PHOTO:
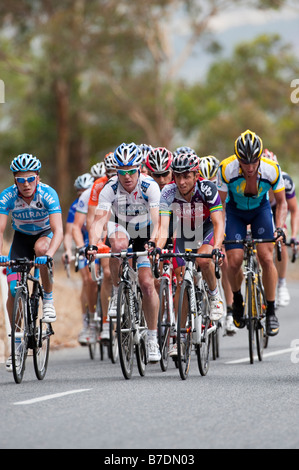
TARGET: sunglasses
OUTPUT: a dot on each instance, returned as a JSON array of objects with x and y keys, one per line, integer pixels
[
  {"x": 127, "y": 172},
  {"x": 22, "y": 180},
  {"x": 161, "y": 175}
]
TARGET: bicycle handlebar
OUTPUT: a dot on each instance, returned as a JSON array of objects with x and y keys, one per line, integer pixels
[
  {"x": 27, "y": 264},
  {"x": 253, "y": 241},
  {"x": 189, "y": 255}
]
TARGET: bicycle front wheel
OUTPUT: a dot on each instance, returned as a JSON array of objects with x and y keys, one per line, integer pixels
[
  {"x": 184, "y": 331},
  {"x": 19, "y": 336},
  {"x": 125, "y": 331},
  {"x": 260, "y": 303},
  {"x": 249, "y": 316},
  {"x": 41, "y": 350},
  {"x": 204, "y": 348},
  {"x": 164, "y": 323}
]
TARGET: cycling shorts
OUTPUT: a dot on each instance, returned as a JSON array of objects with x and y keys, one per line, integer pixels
[
  {"x": 181, "y": 243},
  {"x": 137, "y": 243},
  {"x": 260, "y": 219}
]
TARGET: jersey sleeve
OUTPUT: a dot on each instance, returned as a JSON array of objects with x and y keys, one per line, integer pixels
[
  {"x": 278, "y": 182},
  {"x": 211, "y": 195},
  {"x": 107, "y": 196},
  {"x": 289, "y": 186},
  {"x": 52, "y": 201},
  {"x": 151, "y": 193},
  {"x": 6, "y": 200},
  {"x": 97, "y": 187},
  {"x": 166, "y": 199}
]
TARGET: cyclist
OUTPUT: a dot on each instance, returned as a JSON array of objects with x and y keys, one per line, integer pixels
[
  {"x": 244, "y": 180},
  {"x": 133, "y": 198},
  {"x": 82, "y": 183},
  {"x": 283, "y": 296},
  {"x": 37, "y": 224},
  {"x": 158, "y": 162},
  {"x": 198, "y": 223},
  {"x": 106, "y": 286},
  {"x": 208, "y": 167},
  {"x": 145, "y": 149}
]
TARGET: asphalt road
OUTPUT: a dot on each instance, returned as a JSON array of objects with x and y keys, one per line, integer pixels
[{"x": 88, "y": 404}]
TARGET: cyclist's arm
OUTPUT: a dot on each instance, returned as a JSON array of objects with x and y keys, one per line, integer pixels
[
  {"x": 67, "y": 240},
  {"x": 57, "y": 229},
  {"x": 3, "y": 223},
  {"x": 79, "y": 221},
  {"x": 154, "y": 214},
  {"x": 90, "y": 216},
  {"x": 218, "y": 225},
  {"x": 294, "y": 212},
  {"x": 281, "y": 208},
  {"x": 96, "y": 230},
  {"x": 163, "y": 231}
]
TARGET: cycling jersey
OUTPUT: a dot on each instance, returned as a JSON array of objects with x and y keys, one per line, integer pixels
[
  {"x": 71, "y": 217},
  {"x": 204, "y": 200},
  {"x": 230, "y": 179},
  {"x": 96, "y": 189},
  {"x": 132, "y": 210},
  {"x": 31, "y": 218},
  {"x": 289, "y": 188}
]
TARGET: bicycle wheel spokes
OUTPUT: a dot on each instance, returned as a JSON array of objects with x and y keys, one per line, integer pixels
[
  {"x": 249, "y": 315},
  {"x": 19, "y": 336},
  {"x": 41, "y": 350},
  {"x": 124, "y": 331},
  {"x": 259, "y": 331},
  {"x": 203, "y": 349},
  {"x": 184, "y": 331},
  {"x": 164, "y": 324}
]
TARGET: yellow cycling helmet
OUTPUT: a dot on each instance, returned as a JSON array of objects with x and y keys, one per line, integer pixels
[{"x": 248, "y": 147}]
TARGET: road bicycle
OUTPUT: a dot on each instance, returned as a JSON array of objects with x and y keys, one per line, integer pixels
[
  {"x": 131, "y": 326},
  {"x": 97, "y": 323},
  {"x": 28, "y": 331},
  {"x": 194, "y": 327},
  {"x": 255, "y": 300},
  {"x": 166, "y": 319}
]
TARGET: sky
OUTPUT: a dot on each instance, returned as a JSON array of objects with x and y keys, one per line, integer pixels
[{"x": 233, "y": 27}]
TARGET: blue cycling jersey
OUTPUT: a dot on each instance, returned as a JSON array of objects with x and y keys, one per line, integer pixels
[{"x": 31, "y": 218}]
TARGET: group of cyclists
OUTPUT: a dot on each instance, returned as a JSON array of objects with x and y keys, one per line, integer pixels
[{"x": 148, "y": 198}]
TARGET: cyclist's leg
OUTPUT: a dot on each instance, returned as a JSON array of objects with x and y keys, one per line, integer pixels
[{"x": 263, "y": 224}]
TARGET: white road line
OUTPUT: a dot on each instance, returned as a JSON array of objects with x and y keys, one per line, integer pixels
[
  {"x": 50, "y": 397},
  {"x": 274, "y": 353}
]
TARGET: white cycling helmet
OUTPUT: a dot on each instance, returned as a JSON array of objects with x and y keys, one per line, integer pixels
[
  {"x": 98, "y": 170},
  {"x": 84, "y": 181},
  {"x": 128, "y": 155},
  {"x": 109, "y": 162},
  {"x": 208, "y": 167}
]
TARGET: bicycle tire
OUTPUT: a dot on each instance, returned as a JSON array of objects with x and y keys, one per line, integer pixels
[
  {"x": 125, "y": 331},
  {"x": 113, "y": 343},
  {"x": 260, "y": 331},
  {"x": 184, "y": 346},
  {"x": 42, "y": 342},
  {"x": 204, "y": 348},
  {"x": 164, "y": 324},
  {"x": 19, "y": 331},
  {"x": 140, "y": 347},
  {"x": 249, "y": 316}
]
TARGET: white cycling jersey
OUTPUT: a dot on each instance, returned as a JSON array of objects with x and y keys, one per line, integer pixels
[{"x": 132, "y": 210}]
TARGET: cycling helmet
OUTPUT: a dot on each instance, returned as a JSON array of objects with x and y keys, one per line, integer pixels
[
  {"x": 248, "y": 147},
  {"x": 128, "y": 155},
  {"x": 145, "y": 149},
  {"x": 109, "y": 162},
  {"x": 25, "y": 162},
  {"x": 158, "y": 160},
  {"x": 180, "y": 150},
  {"x": 98, "y": 170},
  {"x": 208, "y": 167},
  {"x": 268, "y": 154},
  {"x": 185, "y": 162},
  {"x": 84, "y": 181}
]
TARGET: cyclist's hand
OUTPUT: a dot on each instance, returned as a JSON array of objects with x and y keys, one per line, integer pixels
[
  {"x": 43, "y": 260},
  {"x": 279, "y": 235},
  {"x": 90, "y": 251},
  {"x": 218, "y": 255},
  {"x": 294, "y": 244},
  {"x": 4, "y": 260}
]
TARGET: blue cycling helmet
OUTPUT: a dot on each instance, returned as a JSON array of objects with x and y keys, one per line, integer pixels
[
  {"x": 25, "y": 162},
  {"x": 128, "y": 155}
]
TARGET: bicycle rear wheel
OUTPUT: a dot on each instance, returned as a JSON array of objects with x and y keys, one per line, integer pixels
[
  {"x": 260, "y": 308},
  {"x": 184, "y": 331},
  {"x": 125, "y": 331},
  {"x": 164, "y": 324},
  {"x": 140, "y": 347},
  {"x": 19, "y": 336},
  {"x": 43, "y": 331},
  {"x": 113, "y": 344}
]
